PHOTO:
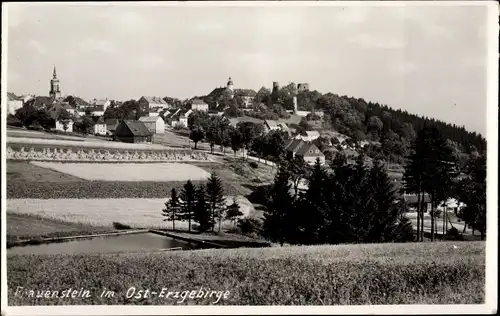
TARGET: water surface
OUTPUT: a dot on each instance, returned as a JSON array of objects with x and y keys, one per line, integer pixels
[{"x": 122, "y": 243}]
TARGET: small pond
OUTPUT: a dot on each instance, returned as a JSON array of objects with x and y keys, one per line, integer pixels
[{"x": 140, "y": 242}]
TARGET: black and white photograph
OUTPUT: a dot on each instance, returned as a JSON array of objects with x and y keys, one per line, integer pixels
[{"x": 249, "y": 157}]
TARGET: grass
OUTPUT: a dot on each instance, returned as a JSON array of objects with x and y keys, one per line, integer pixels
[
  {"x": 137, "y": 213},
  {"x": 314, "y": 275},
  {"x": 24, "y": 226}
]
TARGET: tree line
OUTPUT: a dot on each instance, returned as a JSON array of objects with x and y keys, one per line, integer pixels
[{"x": 204, "y": 205}]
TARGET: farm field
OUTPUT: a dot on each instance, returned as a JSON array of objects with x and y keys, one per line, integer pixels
[
  {"x": 12, "y": 133},
  {"x": 78, "y": 143},
  {"x": 410, "y": 273},
  {"x": 128, "y": 171},
  {"x": 137, "y": 213}
]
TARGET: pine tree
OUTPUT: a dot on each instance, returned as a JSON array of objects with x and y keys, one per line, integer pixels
[
  {"x": 233, "y": 211},
  {"x": 313, "y": 206},
  {"x": 171, "y": 211},
  {"x": 279, "y": 203},
  {"x": 216, "y": 199},
  {"x": 201, "y": 212},
  {"x": 188, "y": 201}
]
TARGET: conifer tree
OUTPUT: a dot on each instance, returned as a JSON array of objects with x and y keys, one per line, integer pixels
[
  {"x": 233, "y": 211},
  {"x": 188, "y": 201},
  {"x": 201, "y": 212},
  {"x": 279, "y": 203},
  {"x": 171, "y": 211},
  {"x": 216, "y": 199}
]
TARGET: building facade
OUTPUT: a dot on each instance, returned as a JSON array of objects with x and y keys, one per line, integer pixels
[{"x": 155, "y": 124}]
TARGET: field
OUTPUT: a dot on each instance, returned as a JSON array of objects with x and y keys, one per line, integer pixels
[
  {"x": 128, "y": 171},
  {"x": 22, "y": 226},
  {"x": 78, "y": 143},
  {"x": 423, "y": 273},
  {"x": 137, "y": 213}
]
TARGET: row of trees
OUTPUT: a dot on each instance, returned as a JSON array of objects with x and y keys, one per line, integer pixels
[
  {"x": 434, "y": 169},
  {"x": 32, "y": 117},
  {"x": 203, "y": 204},
  {"x": 350, "y": 203}
]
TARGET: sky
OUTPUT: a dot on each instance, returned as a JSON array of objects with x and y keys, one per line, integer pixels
[{"x": 429, "y": 60}]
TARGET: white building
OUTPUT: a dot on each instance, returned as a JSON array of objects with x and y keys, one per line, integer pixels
[
  {"x": 199, "y": 105},
  {"x": 181, "y": 118},
  {"x": 155, "y": 124},
  {"x": 308, "y": 136},
  {"x": 100, "y": 127},
  {"x": 13, "y": 103},
  {"x": 60, "y": 126}
]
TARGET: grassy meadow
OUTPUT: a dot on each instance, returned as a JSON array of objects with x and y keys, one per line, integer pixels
[{"x": 414, "y": 273}]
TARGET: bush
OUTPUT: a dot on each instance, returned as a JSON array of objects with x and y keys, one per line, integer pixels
[
  {"x": 249, "y": 226},
  {"x": 453, "y": 234},
  {"x": 14, "y": 121},
  {"x": 119, "y": 226},
  {"x": 253, "y": 164}
]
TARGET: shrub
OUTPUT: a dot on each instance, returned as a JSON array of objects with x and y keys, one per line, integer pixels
[
  {"x": 119, "y": 226},
  {"x": 14, "y": 121},
  {"x": 253, "y": 164},
  {"x": 249, "y": 226},
  {"x": 453, "y": 234}
]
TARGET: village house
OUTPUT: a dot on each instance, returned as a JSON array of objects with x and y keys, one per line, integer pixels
[
  {"x": 131, "y": 131},
  {"x": 308, "y": 136},
  {"x": 111, "y": 125},
  {"x": 56, "y": 111},
  {"x": 100, "y": 127},
  {"x": 152, "y": 105},
  {"x": 14, "y": 103},
  {"x": 309, "y": 151},
  {"x": 155, "y": 124},
  {"x": 270, "y": 125},
  {"x": 246, "y": 95},
  {"x": 199, "y": 105},
  {"x": 412, "y": 199},
  {"x": 181, "y": 118},
  {"x": 42, "y": 102}
]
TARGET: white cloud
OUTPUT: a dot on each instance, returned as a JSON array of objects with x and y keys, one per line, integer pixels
[{"x": 99, "y": 45}]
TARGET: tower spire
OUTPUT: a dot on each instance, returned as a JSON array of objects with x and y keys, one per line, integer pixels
[{"x": 54, "y": 75}]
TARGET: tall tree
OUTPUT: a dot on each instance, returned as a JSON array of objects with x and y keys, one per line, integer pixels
[
  {"x": 216, "y": 199},
  {"x": 196, "y": 135},
  {"x": 298, "y": 171},
  {"x": 472, "y": 192},
  {"x": 236, "y": 140},
  {"x": 279, "y": 203},
  {"x": 187, "y": 202},
  {"x": 171, "y": 210},
  {"x": 202, "y": 213},
  {"x": 249, "y": 131}
]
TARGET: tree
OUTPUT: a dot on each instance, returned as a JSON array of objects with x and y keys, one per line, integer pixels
[
  {"x": 188, "y": 202},
  {"x": 196, "y": 135},
  {"x": 233, "y": 211},
  {"x": 298, "y": 171},
  {"x": 171, "y": 210},
  {"x": 216, "y": 199},
  {"x": 65, "y": 118},
  {"x": 472, "y": 192},
  {"x": 202, "y": 213},
  {"x": 249, "y": 131},
  {"x": 84, "y": 125},
  {"x": 236, "y": 140},
  {"x": 322, "y": 143},
  {"x": 279, "y": 205}
]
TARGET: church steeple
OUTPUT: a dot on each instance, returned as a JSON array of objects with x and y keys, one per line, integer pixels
[{"x": 55, "y": 91}]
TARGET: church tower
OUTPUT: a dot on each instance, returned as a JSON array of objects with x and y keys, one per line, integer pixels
[
  {"x": 230, "y": 84},
  {"x": 55, "y": 91}
]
